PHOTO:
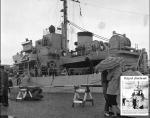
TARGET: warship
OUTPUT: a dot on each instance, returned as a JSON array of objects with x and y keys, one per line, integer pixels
[{"x": 51, "y": 54}]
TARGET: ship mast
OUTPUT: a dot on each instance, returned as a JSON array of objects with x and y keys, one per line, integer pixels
[{"x": 65, "y": 22}]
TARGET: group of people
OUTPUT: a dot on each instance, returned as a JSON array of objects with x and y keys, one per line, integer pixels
[
  {"x": 111, "y": 83},
  {"x": 110, "y": 79}
]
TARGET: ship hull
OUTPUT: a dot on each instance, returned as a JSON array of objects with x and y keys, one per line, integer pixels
[{"x": 66, "y": 83}]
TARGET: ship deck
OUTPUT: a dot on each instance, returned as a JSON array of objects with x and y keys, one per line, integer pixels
[{"x": 55, "y": 105}]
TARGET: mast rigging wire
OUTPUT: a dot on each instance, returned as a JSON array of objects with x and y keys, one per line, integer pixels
[{"x": 82, "y": 29}]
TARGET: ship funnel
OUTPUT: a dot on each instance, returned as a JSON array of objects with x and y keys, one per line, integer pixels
[{"x": 84, "y": 38}]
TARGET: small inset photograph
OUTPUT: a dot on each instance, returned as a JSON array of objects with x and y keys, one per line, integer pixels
[{"x": 134, "y": 95}]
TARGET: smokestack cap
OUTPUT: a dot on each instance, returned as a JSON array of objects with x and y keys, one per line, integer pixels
[{"x": 85, "y": 34}]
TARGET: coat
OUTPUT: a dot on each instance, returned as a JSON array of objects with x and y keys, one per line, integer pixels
[
  {"x": 104, "y": 81},
  {"x": 114, "y": 81}
]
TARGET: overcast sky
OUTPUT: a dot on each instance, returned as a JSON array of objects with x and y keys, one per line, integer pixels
[{"x": 22, "y": 19}]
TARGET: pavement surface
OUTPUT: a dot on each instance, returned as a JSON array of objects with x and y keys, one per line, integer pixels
[{"x": 55, "y": 105}]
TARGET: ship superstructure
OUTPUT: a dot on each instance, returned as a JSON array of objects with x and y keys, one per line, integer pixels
[{"x": 51, "y": 52}]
